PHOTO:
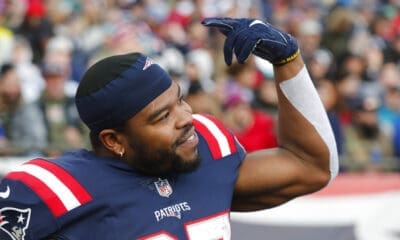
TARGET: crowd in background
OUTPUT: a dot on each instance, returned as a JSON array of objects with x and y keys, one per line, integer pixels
[{"x": 351, "y": 48}]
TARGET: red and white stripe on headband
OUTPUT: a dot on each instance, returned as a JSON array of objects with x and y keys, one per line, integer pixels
[
  {"x": 58, "y": 189},
  {"x": 148, "y": 63},
  {"x": 219, "y": 139}
]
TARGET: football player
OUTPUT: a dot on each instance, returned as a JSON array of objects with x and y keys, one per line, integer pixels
[{"x": 157, "y": 171}]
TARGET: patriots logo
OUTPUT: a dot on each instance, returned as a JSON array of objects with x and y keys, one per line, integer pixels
[{"x": 13, "y": 223}]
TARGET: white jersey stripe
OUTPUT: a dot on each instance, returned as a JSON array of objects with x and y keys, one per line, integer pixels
[
  {"x": 50, "y": 180},
  {"x": 222, "y": 140}
]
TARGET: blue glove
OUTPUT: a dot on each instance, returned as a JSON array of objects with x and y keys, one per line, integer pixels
[{"x": 245, "y": 36}]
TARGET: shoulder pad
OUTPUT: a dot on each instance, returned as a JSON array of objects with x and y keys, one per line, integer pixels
[
  {"x": 219, "y": 139},
  {"x": 56, "y": 187}
]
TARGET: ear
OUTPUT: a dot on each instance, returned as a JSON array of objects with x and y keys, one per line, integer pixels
[{"x": 113, "y": 141}]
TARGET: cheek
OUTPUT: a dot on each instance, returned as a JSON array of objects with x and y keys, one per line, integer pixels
[{"x": 158, "y": 139}]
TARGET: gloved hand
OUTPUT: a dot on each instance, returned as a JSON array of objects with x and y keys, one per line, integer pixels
[{"x": 245, "y": 36}]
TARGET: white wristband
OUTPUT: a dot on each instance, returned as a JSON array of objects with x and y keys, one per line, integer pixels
[{"x": 301, "y": 92}]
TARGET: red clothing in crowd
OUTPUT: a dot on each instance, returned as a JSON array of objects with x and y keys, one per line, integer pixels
[{"x": 261, "y": 134}]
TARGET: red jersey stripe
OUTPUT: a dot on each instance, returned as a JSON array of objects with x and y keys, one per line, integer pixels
[
  {"x": 72, "y": 184},
  {"x": 211, "y": 140},
  {"x": 230, "y": 137},
  {"x": 220, "y": 140},
  {"x": 42, "y": 190}
]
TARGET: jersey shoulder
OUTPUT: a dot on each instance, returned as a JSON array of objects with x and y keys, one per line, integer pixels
[
  {"x": 36, "y": 195},
  {"x": 59, "y": 190},
  {"x": 221, "y": 141}
]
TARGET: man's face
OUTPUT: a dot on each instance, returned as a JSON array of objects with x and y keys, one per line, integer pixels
[{"x": 160, "y": 139}]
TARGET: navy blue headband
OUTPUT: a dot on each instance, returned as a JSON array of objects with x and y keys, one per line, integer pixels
[{"x": 116, "y": 88}]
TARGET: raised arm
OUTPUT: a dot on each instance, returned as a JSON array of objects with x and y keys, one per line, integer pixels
[{"x": 306, "y": 159}]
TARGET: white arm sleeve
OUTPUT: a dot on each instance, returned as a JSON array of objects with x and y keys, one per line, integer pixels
[{"x": 301, "y": 92}]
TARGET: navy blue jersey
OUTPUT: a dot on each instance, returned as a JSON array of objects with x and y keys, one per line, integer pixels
[{"x": 81, "y": 196}]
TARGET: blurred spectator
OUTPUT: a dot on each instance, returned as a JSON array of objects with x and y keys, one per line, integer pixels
[
  {"x": 380, "y": 28},
  {"x": 389, "y": 111},
  {"x": 338, "y": 31},
  {"x": 354, "y": 64},
  {"x": 64, "y": 128},
  {"x": 374, "y": 59},
  {"x": 309, "y": 37},
  {"x": 389, "y": 75},
  {"x": 61, "y": 11},
  {"x": 36, "y": 27},
  {"x": 265, "y": 95},
  {"x": 203, "y": 102},
  {"x": 200, "y": 69},
  {"x": 364, "y": 68},
  {"x": 175, "y": 36},
  {"x": 197, "y": 83},
  {"x": 366, "y": 147},
  {"x": 14, "y": 13},
  {"x": 197, "y": 34},
  {"x": 394, "y": 53},
  {"x": 173, "y": 61},
  {"x": 254, "y": 129},
  {"x": 24, "y": 131},
  {"x": 266, "y": 98},
  {"x": 59, "y": 50},
  {"x": 321, "y": 65},
  {"x": 245, "y": 75},
  {"x": 31, "y": 79}
]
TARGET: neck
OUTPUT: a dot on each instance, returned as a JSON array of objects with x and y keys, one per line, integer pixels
[{"x": 104, "y": 153}]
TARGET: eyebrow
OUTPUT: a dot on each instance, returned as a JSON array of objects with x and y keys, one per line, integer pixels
[{"x": 163, "y": 108}]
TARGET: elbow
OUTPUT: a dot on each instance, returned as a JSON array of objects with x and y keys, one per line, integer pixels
[
  {"x": 321, "y": 175},
  {"x": 330, "y": 167},
  {"x": 326, "y": 170},
  {"x": 326, "y": 175},
  {"x": 317, "y": 180},
  {"x": 322, "y": 179},
  {"x": 333, "y": 163}
]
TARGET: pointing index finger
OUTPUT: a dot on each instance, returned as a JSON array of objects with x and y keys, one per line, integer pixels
[{"x": 219, "y": 23}]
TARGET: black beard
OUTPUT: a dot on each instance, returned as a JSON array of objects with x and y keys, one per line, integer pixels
[{"x": 162, "y": 162}]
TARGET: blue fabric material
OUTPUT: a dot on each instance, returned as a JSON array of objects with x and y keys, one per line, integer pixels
[
  {"x": 245, "y": 36},
  {"x": 123, "y": 97}
]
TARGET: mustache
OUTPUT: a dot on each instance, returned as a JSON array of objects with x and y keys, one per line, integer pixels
[{"x": 181, "y": 139}]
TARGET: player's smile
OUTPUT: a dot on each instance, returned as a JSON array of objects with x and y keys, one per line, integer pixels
[
  {"x": 189, "y": 140},
  {"x": 186, "y": 146}
]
